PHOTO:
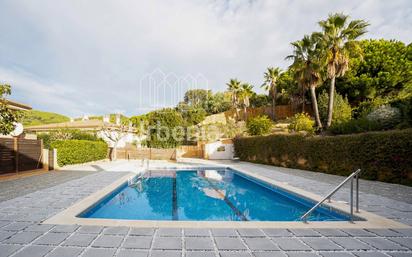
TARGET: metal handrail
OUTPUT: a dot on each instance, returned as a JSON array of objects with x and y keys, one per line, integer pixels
[{"x": 351, "y": 177}]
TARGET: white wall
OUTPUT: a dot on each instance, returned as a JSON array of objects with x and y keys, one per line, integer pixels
[
  {"x": 219, "y": 151},
  {"x": 128, "y": 138}
]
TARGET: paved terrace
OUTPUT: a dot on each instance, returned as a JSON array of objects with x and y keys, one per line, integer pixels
[{"x": 22, "y": 234}]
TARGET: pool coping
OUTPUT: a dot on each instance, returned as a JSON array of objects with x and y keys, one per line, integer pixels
[{"x": 69, "y": 215}]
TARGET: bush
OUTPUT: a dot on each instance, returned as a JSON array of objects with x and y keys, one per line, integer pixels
[
  {"x": 79, "y": 151},
  {"x": 259, "y": 125},
  {"x": 355, "y": 126},
  {"x": 302, "y": 122},
  {"x": 342, "y": 111},
  {"x": 386, "y": 116},
  {"x": 166, "y": 127},
  {"x": 384, "y": 156}
]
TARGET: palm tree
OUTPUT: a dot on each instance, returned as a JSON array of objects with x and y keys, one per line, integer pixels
[
  {"x": 234, "y": 89},
  {"x": 338, "y": 39},
  {"x": 246, "y": 91},
  {"x": 307, "y": 64},
  {"x": 271, "y": 76}
]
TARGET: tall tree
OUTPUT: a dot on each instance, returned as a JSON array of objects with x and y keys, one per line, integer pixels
[
  {"x": 245, "y": 92},
  {"x": 339, "y": 41},
  {"x": 307, "y": 64},
  {"x": 234, "y": 89},
  {"x": 271, "y": 76}
]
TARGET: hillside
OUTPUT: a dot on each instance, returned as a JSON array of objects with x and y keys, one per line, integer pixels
[{"x": 34, "y": 117}]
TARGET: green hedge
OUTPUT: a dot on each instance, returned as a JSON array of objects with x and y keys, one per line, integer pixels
[
  {"x": 79, "y": 151},
  {"x": 384, "y": 156}
]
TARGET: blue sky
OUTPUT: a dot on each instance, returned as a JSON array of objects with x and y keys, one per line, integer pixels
[{"x": 98, "y": 56}]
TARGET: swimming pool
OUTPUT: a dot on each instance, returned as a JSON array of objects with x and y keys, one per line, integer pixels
[{"x": 205, "y": 195}]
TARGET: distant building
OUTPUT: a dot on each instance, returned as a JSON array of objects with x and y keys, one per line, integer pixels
[{"x": 104, "y": 129}]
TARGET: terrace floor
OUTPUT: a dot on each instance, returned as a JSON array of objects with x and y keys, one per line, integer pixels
[{"x": 31, "y": 200}]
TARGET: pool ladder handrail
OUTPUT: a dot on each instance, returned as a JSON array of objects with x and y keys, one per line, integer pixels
[
  {"x": 147, "y": 163},
  {"x": 351, "y": 178}
]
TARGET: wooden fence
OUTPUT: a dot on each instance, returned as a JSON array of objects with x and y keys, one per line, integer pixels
[
  {"x": 18, "y": 154},
  {"x": 146, "y": 153}
]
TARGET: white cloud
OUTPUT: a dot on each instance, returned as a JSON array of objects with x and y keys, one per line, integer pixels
[{"x": 96, "y": 52}]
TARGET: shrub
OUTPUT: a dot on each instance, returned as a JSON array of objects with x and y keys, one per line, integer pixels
[
  {"x": 166, "y": 128},
  {"x": 259, "y": 125},
  {"x": 387, "y": 116},
  {"x": 79, "y": 151},
  {"x": 383, "y": 156},
  {"x": 355, "y": 126},
  {"x": 342, "y": 111},
  {"x": 302, "y": 122}
]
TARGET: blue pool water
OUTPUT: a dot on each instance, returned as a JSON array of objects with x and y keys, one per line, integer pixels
[{"x": 223, "y": 195}]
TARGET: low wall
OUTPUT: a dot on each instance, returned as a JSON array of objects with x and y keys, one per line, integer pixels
[{"x": 146, "y": 153}]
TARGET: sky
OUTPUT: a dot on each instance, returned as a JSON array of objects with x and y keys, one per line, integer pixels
[{"x": 98, "y": 56}]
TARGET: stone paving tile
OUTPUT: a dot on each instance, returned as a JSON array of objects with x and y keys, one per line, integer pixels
[
  {"x": 385, "y": 232},
  {"x": 404, "y": 241},
  {"x": 116, "y": 230},
  {"x": 4, "y": 223},
  {"x": 90, "y": 229},
  {"x": 64, "y": 228},
  {"x": 108, "y": 241},
  {"x": 51, "y": 239},
  {"x": 224, "y": 232},
  {"x": 16, "y": 226},
  {"x": 6, "y": 234},
  {"x": 399, "y": 254},
  {"x": 167, "y": 243},
  {"x": 358, "y": 232},
  {"x": 65, "y": 252},
  {"x": 320, "y": 244},
  {"x": 157, "y": 253},
  {"x": 404, "y": 232},
  {"x": 33, "y": 251},
  {"x": 131, "y": 253},
  {"x": 234, "y": 254},
  {"x": 196, "y": 232},
  {"x": 169, "y": 232},
  {"x": 350, "y": 243},
  {"x": 277, "y": 232},
  {"x": 247, "y": 232},
  {"x": 22, "y": 238},
  {"x": 382, "y": 244},
  {"x": 138, "y": 242},
  {"x": 39, "y": 228},
  {"x": 141, "y": 232},
  {"x": 199, "y": 243},
  {"x": 302, "y": 254},
  {"x": 269, "y": 254},
  {"x": 290, "y": 244},
  {"x": 328, "y": 232},
  {"x": 79, "y": 240},
  {"x": 229, "y": 243},
  {"x": 200, "y": 254},
  {"x": 304, "y": 232},
  {"x": 99, "y": 252},
  {"x": 260, "y": 244},
  {"x": 335, "y": 254},
  {"x": 369, "y": 254},
  {"x": 6, "y": 250}
]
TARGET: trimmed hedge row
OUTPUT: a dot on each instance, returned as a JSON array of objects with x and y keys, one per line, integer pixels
[
  {"x": 79, "y": 151},
  {"x": 384, "y": 156}
]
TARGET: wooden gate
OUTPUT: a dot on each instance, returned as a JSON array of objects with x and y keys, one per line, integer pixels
[{"x": 19, "y": 154}]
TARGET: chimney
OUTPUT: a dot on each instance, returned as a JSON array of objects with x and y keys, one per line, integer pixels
[
  {"x": 106, "y": 118},
  {"x": 117, "y": 119}
]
